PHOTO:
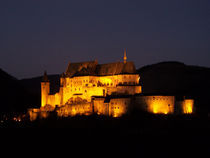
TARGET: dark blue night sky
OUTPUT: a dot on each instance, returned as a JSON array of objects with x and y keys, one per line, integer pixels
[{"x": 38, "y": 35}]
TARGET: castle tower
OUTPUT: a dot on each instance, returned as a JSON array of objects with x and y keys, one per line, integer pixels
[
  {"x": 125, "y": 57},
  {"x": 45, "y": 89}
]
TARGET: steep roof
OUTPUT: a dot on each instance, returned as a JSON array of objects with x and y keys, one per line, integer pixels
[
  {"x": 95, "y": 69},
  {"x": 82, "y": 68},
  {"x": 115, "y": 68}
]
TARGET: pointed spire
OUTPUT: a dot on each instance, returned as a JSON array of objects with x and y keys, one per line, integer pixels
[
  {"x": 63, "y": 75},
  {"x": 45, "y": 78},
  {"x": 96, "y": 61},
  {"x": 125, "y": 57}
]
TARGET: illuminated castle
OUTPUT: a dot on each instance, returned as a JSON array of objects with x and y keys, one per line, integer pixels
[
  {"x": 82, "y": 82},
  {"x": 106, "y": 89}
]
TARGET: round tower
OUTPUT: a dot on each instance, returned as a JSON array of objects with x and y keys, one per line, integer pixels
[{"x": 45, "y": 89}]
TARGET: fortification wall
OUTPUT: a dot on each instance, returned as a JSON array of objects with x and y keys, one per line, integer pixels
[
  {"x": 45, "y": 90},
  {"x": 156, "y": 104},
  {"x": 185, "y": 106},
  {"x": 115, "y": 107},
  {"x": 100, "y": 107},
  {"x": 75, "y": 109},
  {"x": 119, "y": 106}
]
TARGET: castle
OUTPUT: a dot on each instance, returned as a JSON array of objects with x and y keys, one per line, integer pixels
[{"x": 105, "y": 89}]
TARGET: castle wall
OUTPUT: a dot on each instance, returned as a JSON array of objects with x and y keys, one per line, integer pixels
[
  {"x": 156, "y": 104},
  {"x": 45, "y": 90},
  {"x": 119, "y": 106},
  {"x": 54, "y": 100},
  {"x": 100, "y": 107},
  {"x": 115, "y": 107},
  {"x": 88, "y": 86},
  {"x": 185, "y": 106},
  {"x": 124, "y": 89},
  {"x": 188, "y": 106},
  {"x": 75, "y": 109}
]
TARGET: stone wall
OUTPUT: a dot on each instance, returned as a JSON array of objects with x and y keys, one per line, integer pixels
[
  {"x": 185, "y": 106},
  {"x": 114, "y": 107},
  {"x": 156, "y": 104},
  {"x": 74, "y": 109},
  {"x": 88, "y": 86}
]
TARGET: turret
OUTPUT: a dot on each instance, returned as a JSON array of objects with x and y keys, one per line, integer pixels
[
  {"x": 45, "y": 89},
  {"x": 125, "y": 57}
]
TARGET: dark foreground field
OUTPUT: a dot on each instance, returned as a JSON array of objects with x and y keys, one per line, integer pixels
[{"x": 139, "y": 135}]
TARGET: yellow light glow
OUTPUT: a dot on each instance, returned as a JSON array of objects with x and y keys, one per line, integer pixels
[
  {"x": 160, "y": 104},
  {"x": 188, "y": 106},
  {"x": 166, "y": 112}
]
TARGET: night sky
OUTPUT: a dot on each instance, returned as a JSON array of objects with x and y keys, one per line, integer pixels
[{"x": 38, "y": 35}]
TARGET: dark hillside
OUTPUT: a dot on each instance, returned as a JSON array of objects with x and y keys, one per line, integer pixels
[{"x": 14, "y": 97}]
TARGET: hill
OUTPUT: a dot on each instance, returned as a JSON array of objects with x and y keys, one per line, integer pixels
[
  {"x": 178, "y": 79},
  {"x": 14, "y": 97}
]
